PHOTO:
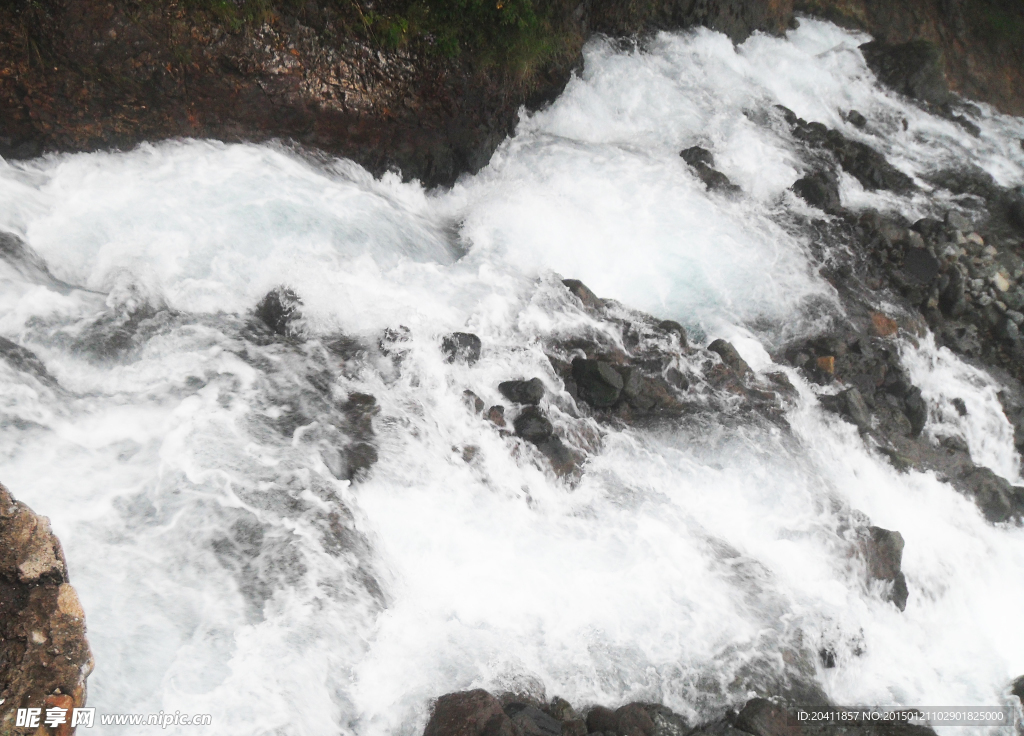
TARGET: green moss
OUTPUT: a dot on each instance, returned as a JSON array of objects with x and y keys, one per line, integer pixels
[{"x": 513, "y": 37}]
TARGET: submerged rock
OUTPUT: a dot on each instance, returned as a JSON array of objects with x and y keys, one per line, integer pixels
[
  {"x": 279, "y": 310},
  {"x": 44, "y": 655},
  {"x": 820, "y": 189},
  {"x": 883, "y": 551},
  {"x": 461, "y": 347},
  {"x": 532, "y": 425},
  {"x": 703, "y": 164}
]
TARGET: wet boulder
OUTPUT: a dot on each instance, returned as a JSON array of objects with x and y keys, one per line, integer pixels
[
  {"x": 280, "y": 310},
  {"x": 672, "y": 327},
  {"x": 24, "y": 360},
  {"x": 461, "y": 347},
  {"x": 597, "y": 382},
  {"x": 523, "y": 392},
  {"x": 867, "y": 165},
  {"x": 913, "y": 69},
  {"x": 850, "y": 404},
  {"x": 634, "y": 719},
  {"x": 998, "y": 500},
  {"x": 1018, "y": 688},
  {"x": 729, "y": 356},
  {"x": 565, "y": 461},
  {"x": 532, "y": 425},
  {"x": 472, "y": 713},
  {"x": 585, "y": 295},
  {"x": 532, "y": 721},
  {"x": 883, "y": 552},
  {"x": 703, "y": 164},
  {"x": 820, "y": 189},
  {"x": 764, "y": 718}
]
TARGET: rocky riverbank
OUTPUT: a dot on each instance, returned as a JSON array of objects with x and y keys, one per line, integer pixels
[
  {"x": 44, "y": 655},
  {"x": 92, "y": 76},
  {"x": 478, "y": 713}
]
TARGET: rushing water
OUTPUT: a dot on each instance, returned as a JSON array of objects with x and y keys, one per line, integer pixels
[{"x": 186, "y": 465}]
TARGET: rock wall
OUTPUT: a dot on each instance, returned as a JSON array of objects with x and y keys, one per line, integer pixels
[
  {"x": 44, "y": 655},
  {"x": 87, "y": 75},
  {"x": 981, "y": 41}
]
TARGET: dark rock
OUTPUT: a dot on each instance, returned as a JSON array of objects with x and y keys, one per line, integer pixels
[
  {"x": 473, "y": 402},
  {"x": 532, "y": 425},
  {"x": 828, "y": 658},
  {"x": 564, "y": 460},
  {"x": 496, "y": 414},
  {"x": 957, "y": 221},
  {"x": 359, "y": 458},
  {"x": 392, "y": 341},
  {"x": 43, "y": 650},
  {"x": 279, "y": 310},
  {"x": 960, "y": 406},
  {"x": 462, "y": 347},
  {"x": 532, "y": 721},
  {"x": 562, "y": 710},
  {"x": 851, "y": 404},
  {"x": 913, "y": 69},
  {"x": 998, "y": 500},
  {"x": 1016, "y": 213},
  {"x": 667, "y": 325},
  {"x": 867, "y": 165},
  {"x": 820, "y": 189},
  {"x": 597, "y": 382},
  {"x": 920, "y": 266},
  {"x": 1018, "y": 685},
  {"x": 951, "y": 298},
  {"x": 856, "y": 119},
  {"x": 634, "y": 720},
  {"x": 601, "y": 719},
  {"x": 729, "y": 356},
  {"x": 916, "y": 410},
  {"x": 764, "y": 718},
  {"x": 697, "y": 156},
  {"x": 24, "y": 360},
  {"x": 883, "y": 550},
  {"x": 523, "y": 392},
  {"x": 703, "y": 164},
  {"x": 585, "y": 295},
  {"x": 715, "y": 180},
  {"x": 473, "y": 713}
]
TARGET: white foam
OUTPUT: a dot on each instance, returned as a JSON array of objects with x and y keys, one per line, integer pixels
[{"x": 223, "y": 568}]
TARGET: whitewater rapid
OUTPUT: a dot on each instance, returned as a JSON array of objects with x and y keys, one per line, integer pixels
[{"x": 224, "y": 569}]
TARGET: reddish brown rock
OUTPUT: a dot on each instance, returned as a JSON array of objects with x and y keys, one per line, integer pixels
[{"x": 44, "y": 655}]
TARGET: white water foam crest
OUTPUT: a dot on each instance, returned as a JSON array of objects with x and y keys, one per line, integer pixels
[{"x": 223, "y": 567}]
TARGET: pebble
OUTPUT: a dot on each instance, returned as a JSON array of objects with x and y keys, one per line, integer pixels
[
  {"x": 976, "y": 239},
  {"x": 1016, "y": 317},
  {"x": 1001, "y": 282}
]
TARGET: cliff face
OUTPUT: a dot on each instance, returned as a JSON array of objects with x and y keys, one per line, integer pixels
[
  {"x": 981, "y": 41},
  {"x": 87, "y": 74},
  {"x": 44, "y": 656},
  {"x": 84, "y": 75}
]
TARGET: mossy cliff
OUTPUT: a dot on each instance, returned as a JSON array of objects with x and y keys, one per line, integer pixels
[{"x": 429, "y": 87}]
